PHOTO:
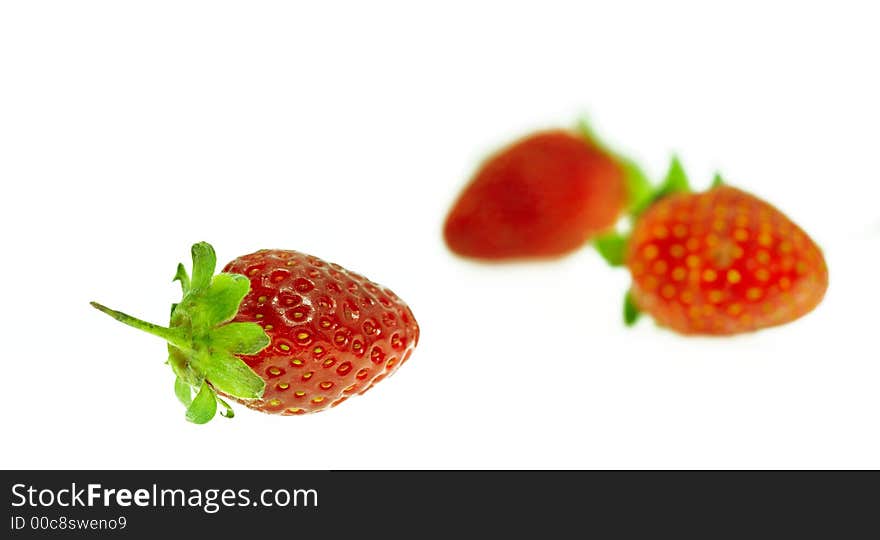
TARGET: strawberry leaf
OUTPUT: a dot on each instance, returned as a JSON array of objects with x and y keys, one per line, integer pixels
[
  {"x": 631, "y": 312},
  {"x": 219, "y": 303},
  {"x": 676, "y": 180},
  {"x": 204, "y": 263},
  {"x": 612, "y": 248},
  {"x": 717, "y": 181},
  {"x": 183, "y": 391},
  {"x": 232, "y": 376},
  {"x": 203, "y": 407},
  {"x": 182, "y": 277},
  {"x": 239, "y": 338},
  {"x": 227, "y": 411},
  {"x": 638, "y": 187}
]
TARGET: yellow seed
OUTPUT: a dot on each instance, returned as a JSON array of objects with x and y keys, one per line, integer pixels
[
  {"x": 676, "y": 250},
  {"x": 299, "y": 393},
  {"x": 284, "y": 347},
  {"x": 734, "y": 309},
  {"x": 754, "y": 293},
  {"x": 765, "y": 239},
  {"x": 638, "y": 268},
  {"x": 692, "y": 261},
  {"x": 308, "y": 375},
  {"x": 294, "y": 410},
  {"x": 741, "y": 235},
  {"x": 274, "y": 371},
  {"x": 687, "y": 297},
  {"x": 763, "y": 257},
  {"x": 738, "y": 252},
  {"x": 679, "y": 274},
  {"x": 296, "y": 362},
  {"x": 268, "y": 327},
  {"x": 274, "y": 402},
  {"x": 680, "y": 231},
  {"x": 786, "y": 247},
  {"x": 262, "y": 299},
  {"x": 328, "y": 362},
  {"x": 259, "y": 316},
  {"x": 660, "y": 232},
  {"x": 693, "y": 244},
  {"x": 659, "y": 267},
  {"x": 784, "y": 283},
  {"x": 719, "y": 225},
  {"x": 297, "y": 314},
  {"x": 302, "y": 336},
  {"x": 283, "y": 386},
  {"x": 318, "y": 350},
  {"x": 801, "y": 267},
  {"x": 668, "y": 291},
  {"x": 326, "y": 384},
  {"x": 716, "y": 296},
  {"x": 761, "y": 274},
  {"x": 733, "y": 276},
  {"x": 709, "y": 275},
  {"x": 712, "y": 240},
  {"x": 318, "y": 399},
  {"x": 325, "y": 323},
  {"x": 651, "y": 251}
]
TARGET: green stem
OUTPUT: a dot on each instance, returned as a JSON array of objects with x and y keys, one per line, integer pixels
[{"x": 171, "y": 336}]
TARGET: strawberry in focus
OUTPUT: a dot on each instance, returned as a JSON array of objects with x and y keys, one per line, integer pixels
[
  {"x": 333, "y": 333},
  {"x": 720, "y": 262},
  {"x": 280, "y": 332},
  {"x": 542, "y": 197}
]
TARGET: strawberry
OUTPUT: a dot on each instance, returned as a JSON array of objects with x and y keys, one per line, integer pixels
[
  {"x": 720, "y": 262},
  {"x": 280, "y": 332},
  {"x": 543, "y": 196}
]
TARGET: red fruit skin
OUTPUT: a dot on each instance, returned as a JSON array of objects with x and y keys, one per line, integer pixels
[
  {"x": 723, "y": 262},
  {"x": 333, "y": 332},
  {"x": 542, "y": 197}
]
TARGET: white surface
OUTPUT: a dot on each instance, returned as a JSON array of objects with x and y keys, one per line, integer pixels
[{"x": 129, "y": 132}]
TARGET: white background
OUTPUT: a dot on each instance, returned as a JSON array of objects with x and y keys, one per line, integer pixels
[{"x": 128, "y": 131}]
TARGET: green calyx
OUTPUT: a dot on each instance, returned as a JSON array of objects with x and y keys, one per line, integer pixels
[
  {"x": 203, "y": 343},
  {"x": 613, "y": 246}
]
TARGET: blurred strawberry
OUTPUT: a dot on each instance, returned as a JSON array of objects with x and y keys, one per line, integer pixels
[
  {"x": 719, "y": 262},
  {"x": 542, "y": 197}
]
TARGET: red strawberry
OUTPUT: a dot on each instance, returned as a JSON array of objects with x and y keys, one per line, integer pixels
[
  {"x": 722, "y": 262},
  {"x": 544, "y": 196},
  {"x": 281, "y": 332}
]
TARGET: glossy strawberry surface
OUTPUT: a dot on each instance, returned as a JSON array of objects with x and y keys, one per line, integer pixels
[
  {"x": 544, "y": 196},
  {"x": 722, "y": 262},
  {"x": 333, "y": 332}
]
